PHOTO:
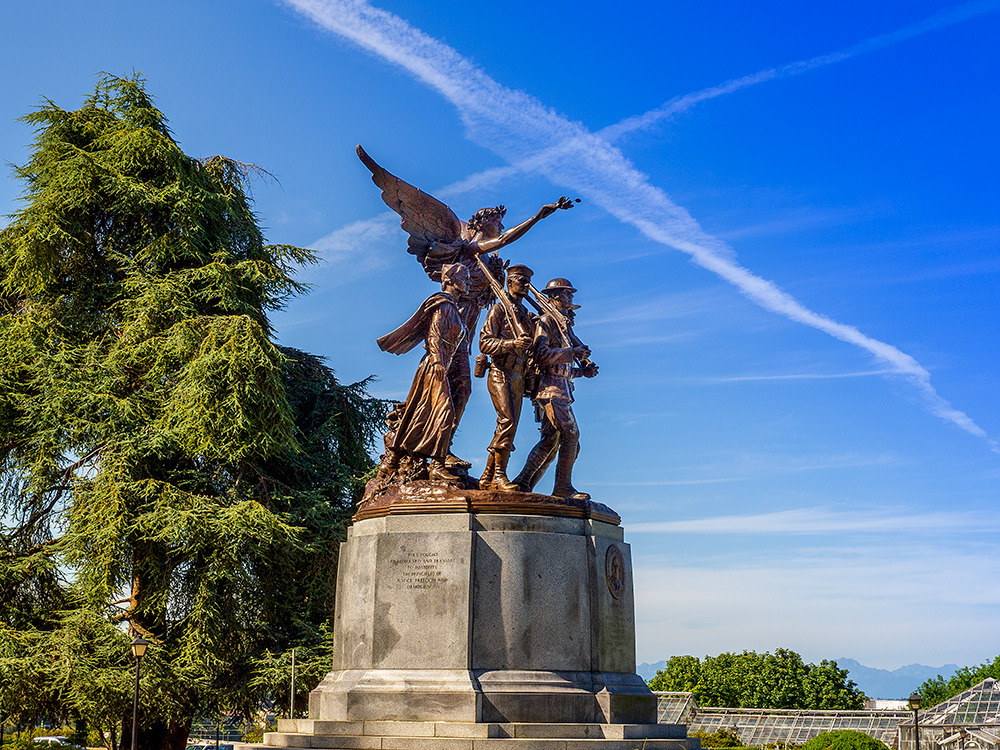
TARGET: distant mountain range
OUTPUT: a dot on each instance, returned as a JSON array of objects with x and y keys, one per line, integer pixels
[
  {"x": 648, "y": 671},
  {"x": 899, "y": 683},
  {"x": 875, "y": 683}
]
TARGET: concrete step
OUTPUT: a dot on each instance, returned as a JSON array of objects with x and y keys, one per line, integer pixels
[
  {"x": 290, "y": 741},
  {"x": 482, "y": 730}
]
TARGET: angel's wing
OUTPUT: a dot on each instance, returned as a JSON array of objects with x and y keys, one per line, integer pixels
[{"x": 422, "y": 216}]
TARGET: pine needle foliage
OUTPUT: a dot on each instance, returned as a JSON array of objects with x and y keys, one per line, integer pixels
[{"x": 163, "y": 461}]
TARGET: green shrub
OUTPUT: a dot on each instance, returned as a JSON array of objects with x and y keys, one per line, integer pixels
[
  {"x": 844, "y": 739},
  {"x": 720, "y": 738},
  {"x": 255, "y": 733}
]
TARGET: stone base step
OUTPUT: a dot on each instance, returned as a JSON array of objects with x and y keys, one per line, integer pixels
[
  {"x": 309, "y": 742},
  {"x": 299, "y": 734}
]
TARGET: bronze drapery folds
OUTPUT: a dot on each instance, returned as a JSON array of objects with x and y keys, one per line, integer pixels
[{"x": 529, "y": 356}]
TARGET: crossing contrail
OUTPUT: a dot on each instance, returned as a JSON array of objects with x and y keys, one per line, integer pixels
[{"x": 531, "y": 136}]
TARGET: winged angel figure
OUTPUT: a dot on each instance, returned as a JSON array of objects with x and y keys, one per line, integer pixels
[{"x": 439, "y": 238}]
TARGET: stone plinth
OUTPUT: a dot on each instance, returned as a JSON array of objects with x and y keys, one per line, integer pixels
[
  {"x": 475, "y": 617},
  {"x": 401, "y": 735}
]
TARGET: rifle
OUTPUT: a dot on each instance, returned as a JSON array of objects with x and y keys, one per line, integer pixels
[
  {"x": 508, "y": 308},
  {"x": 503, "y": 299},
  {"x": 570, "y": 339}
]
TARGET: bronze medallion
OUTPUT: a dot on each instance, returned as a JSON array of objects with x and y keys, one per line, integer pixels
[{"x": 614, "y": 570}]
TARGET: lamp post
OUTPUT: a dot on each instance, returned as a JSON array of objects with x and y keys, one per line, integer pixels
[
  {"x": 291, "y": 697},
  {"x": 138, "y": 650},
  {"x": 915, "y": 701}
]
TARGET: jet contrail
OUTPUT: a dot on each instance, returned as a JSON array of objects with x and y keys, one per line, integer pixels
[
  {"x": 683, "y": 103},
  {"x": 514, "y": 124}
]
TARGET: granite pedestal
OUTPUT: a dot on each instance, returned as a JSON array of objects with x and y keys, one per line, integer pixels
[{"x": 458, "y": 628}]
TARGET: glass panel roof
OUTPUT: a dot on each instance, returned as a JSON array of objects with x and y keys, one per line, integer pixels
[
  {"x": 980, "y": 704},
  {"x": 757, "y": 726}
]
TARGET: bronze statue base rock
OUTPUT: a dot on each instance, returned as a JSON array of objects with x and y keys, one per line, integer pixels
[{"x": 426, "y": 496}]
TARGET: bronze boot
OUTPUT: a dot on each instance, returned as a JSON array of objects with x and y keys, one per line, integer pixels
[
  {"x": 486, "y": 480},
  {"x": 500, "y": 480},
  {"x": 534, "y": 467},
  {"x": 454, "y": 462},
  {"x": 564, "y": 472},
  {"x": 437, "y": 471},
  {"x": 388, "y": 466}
]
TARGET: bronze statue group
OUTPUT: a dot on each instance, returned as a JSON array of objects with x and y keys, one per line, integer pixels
[{"x": 521, "y": 354}]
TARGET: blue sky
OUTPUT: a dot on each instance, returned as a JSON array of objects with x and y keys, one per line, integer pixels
[{"x": 787, "y": 252}]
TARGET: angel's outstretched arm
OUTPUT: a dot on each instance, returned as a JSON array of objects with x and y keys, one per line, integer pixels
[{"x": 515, "y": 233}]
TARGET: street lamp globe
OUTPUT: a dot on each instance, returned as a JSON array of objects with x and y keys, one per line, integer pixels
[{"x": 139, "y": 647}]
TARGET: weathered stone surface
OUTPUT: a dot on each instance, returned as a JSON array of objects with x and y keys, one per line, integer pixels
[
  {"x": 488, "y": 617},
  {"x": 353, "y": 619},
  {"x": 347, "y": 742},
  {"x": 396, "y": 694},
  {"x": 531, "y": 602},
  {"x": 423, "y": 580},
  {"x": 614, "y": 623},
  {"x": 535, "y": 695},
  {"x": 426, "y": 743},
  {"x": 477, "y": 736}
]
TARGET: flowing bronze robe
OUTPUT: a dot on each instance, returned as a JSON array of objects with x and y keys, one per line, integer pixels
[{"x": 429, "y": 418}]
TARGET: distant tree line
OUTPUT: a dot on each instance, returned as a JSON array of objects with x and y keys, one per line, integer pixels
[
  {"x": 938, "y": 689},
  {"x": 752, "y": 680}
]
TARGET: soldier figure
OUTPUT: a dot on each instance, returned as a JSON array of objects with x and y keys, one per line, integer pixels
[
  {"x": 508, "y": 343},
  {"x": 556, "y": 351},
  {"x": 438, "y": 238}
]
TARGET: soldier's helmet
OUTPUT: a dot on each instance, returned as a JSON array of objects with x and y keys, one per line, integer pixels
[
  {"x": 558, "y": 284},
  {"x": 520, "y": 270},
  {"x": 561, "y": 285}
]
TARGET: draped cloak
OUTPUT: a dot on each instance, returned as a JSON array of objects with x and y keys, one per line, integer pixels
[{"x": 428, "y": 419}]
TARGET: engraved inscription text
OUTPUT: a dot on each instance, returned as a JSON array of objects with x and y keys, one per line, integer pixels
[{"x": 420, "y": 570}]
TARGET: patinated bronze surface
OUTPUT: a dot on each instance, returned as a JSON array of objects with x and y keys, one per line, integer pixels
[
  {"x": 506, "y": 338},
  {"x": 560, "y": 357},
  {"x": 529, "y": 356},
  {"x": 424, "y": 425},
  {"x": 426, "y": 496},
  {"x": 437, "y": 238}
]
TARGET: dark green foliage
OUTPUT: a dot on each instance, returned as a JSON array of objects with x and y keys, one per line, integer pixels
[
  {"x": 751, "y": 680},
  {"x": 844, "y": 739},
  {"x": 721, "y": 738},
  {"x": 938, "y": 689},
  {"x": 163, "y": 461}
]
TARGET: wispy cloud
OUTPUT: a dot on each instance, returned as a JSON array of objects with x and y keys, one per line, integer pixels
[
  {"x": 936, "y": 598},
  {"x": 357, "y": 249},
  {"x": 526, "y": 133},
  {"x": 825, "y": 521},
  {"x": 797, "y": 222},
  {"x": 669, "y": 483},
  {"x": 788, "y": 376},
  {"x": 747, "y": 467},
  {"x": 672, "y": 306},
  {"x": 681, "y": 104},
  {"x": 630, "y": 342}
]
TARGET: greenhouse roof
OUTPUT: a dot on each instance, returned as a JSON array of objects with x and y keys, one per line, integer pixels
[{"x": 980, "y": 704}]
